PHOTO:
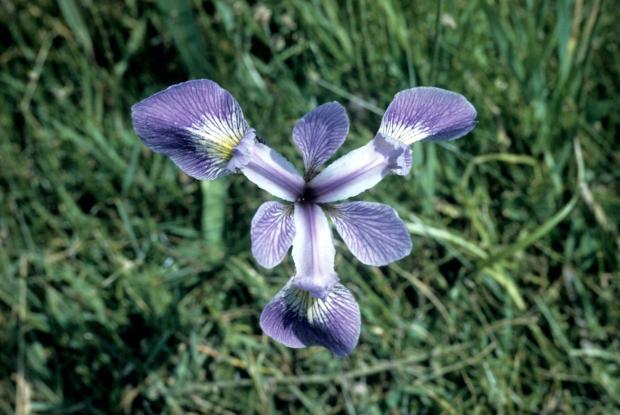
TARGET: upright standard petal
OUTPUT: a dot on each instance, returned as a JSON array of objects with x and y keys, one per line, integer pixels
[
  {"x": 272, "y": 233},
  {"x": 297, "y": 319},
  {"x": 373, "y": 231},
  {"x": 267, "y": 169},
  {"x": 360, "y": 170},
  {"x": 428, "y": 113},
  {"x": 196, "y": 123},
  {"x": 313, "y": 251},
  {"x": 320, "y": 133}
]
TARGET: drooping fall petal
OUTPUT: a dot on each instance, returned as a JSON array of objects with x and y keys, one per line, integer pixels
[
  {"x": 428, "y": 113},
  {"x": 195, "y": 123},
  {"x": 297, "y": 319}
]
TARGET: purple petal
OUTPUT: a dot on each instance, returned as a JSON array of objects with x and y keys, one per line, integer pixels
[
  {"x": 267, "y": 169},
  {"x": 196, "y": 123},
  {"x": 320, "y": 133},
  {"x": 373, "y": 232},
  {"x": 360, "y": 170},
  {"x": 297, "y": 319},
  {"x": 272, "y": 233},
  {"x": 428, "y": 113},
  {"x": 313, "y": 250}
]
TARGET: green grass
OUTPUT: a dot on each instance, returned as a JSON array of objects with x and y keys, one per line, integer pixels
[{"x": 127, "y": 287}]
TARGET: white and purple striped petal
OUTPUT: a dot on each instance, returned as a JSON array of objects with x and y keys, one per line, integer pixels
[
  {"x": 272, "y": 233},
  {"x": 320, "y": 133},
  {"x": 360, "y": 170},
  {"x": 297, "y": 319},
  {"x": 267, "y": 169},
  {"x": 313, "y": 251},
  {"x": 428, "y": 113},
  {"x": 196, "y": 123},
  {"x": 374, "y": 232}
]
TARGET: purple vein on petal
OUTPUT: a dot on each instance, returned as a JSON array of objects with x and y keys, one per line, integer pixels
[
  {"x": 319, "y": 133},
  {"x": 373, "y": 232},
  {"x": 360, "y": 170},
  {"x": 272, "y": 233},
  {"x": 267, "y": 169},
  {"x": 313, "y": 250}
]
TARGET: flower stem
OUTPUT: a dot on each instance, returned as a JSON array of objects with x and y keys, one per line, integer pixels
[{"x": 213, "y": 200}]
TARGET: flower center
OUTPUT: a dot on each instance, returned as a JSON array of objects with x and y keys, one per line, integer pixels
[{"x": 308, "y": 195}]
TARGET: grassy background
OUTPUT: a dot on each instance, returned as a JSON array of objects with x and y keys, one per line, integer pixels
[{"x": 127, "y": 287}]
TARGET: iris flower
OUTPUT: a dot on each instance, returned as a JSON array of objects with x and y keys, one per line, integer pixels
[{"x": 201, "y": 127}]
